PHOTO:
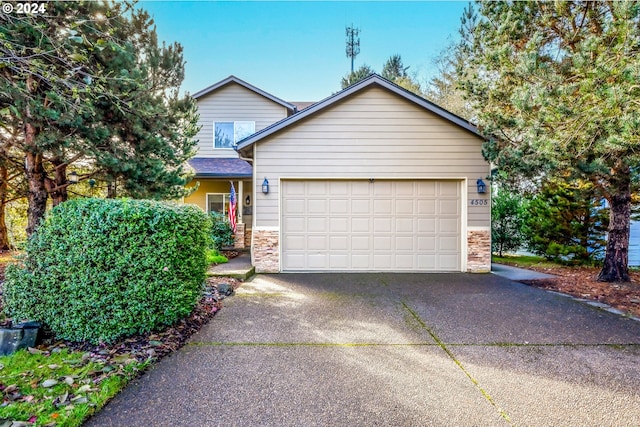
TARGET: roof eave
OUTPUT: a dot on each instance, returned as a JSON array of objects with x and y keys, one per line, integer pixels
[
  {"x": 373, "y": 79},
  {"x": 234, "y": 79}
]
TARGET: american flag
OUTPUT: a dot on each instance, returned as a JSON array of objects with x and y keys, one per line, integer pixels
[{"x": 233, "y": 206}]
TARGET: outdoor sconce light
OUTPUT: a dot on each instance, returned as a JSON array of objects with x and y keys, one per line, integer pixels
[
  {"x": 265, "y": 186},
  {"x": 482, "y": 187},
  {"x": 247, "y": 200},
  {"x": 73, "y": 178}
]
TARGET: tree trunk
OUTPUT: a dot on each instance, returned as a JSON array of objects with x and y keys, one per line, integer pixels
[
  {"x": 37, "y": 193},
  {"x": 4, "y": 235},
  {"x": 616, "y": 260},
  {"x": 58, "y": 185}
]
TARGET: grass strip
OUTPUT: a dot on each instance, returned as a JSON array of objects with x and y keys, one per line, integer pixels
[{"x": 303, "y": 344}]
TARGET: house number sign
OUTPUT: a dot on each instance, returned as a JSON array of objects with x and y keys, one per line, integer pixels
[{"x": 478, "y": 202}]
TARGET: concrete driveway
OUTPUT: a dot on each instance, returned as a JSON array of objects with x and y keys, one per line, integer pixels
[{"x": 394, "y": 350}]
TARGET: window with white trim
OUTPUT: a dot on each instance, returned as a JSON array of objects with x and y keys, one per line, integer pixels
[
  {"x": 227, "y": 134},
  {"x": 218, "y": 203}
]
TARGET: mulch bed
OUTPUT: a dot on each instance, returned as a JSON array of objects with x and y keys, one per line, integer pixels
[{"x": 581, "y": 282}]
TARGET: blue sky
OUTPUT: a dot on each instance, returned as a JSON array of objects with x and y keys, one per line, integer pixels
[{"x": 296, "y": 50}]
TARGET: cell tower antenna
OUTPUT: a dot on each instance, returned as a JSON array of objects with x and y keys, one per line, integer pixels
[{"x": 353, "y": 43}]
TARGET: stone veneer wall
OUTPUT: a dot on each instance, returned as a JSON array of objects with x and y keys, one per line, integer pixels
[
  {"x": 238, "y": 242},
  {"x": 247, "y": 237},
  {"x": 265, "y": 253},
  {"x": 479, "y": 251}
]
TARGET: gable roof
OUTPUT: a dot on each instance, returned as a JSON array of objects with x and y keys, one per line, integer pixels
[
  {"x": 234, "y": 79},
  {"x": 372, "y": 80}
]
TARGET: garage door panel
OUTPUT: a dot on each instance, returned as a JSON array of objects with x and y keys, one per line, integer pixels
[
  {"x": 404, "y": 243},
  {"x": 404, "y": 207},
  {"x": 295, "y": 224},
  {"x": 294, "y": 206},
  {"x": 382, "y": 225},
  {"x": 339, "y": 243},
  {"x": 382, "y": 262},
  {"x": 339, "y": 261},
  {"x": 383, "y": 207},
  {"x": 294, "y": 260},
  {"x": 426, "y": 189},
  {"x": 426, "y": 225},
  {"x": 339, "y": 188},
  {"x": 404, "y": 225},
  {"x": 448, "y": 189},
  {"x": 317, "y": 261},
  {"x": 360, "y": 261},
  {"x": 448, "y": 262},
  {"x": 317, "y": 206},
  {"x": 404, "y": 261},
  {"x": 362, "y": 226},
  {"x": 294, "y": 242},
  {"x": 360, "y": 188},
  {"x": 448, "y": 207},
  {"x": 360, "y": 243},
  {"x": 382, "y": 188},
  {"x": 451, "y": 243},
  {"x": 449, "y": 225},
  {"x": 317, "y": 243},
  {"x": 316, "y": 188},
  {"x": 382, "y": 243},
  {"x": 338, "y": 206},
  {"x": 426, "y": 207},
  {"x": 317, "y": 224},
  {"x": 339, "y": 225}
]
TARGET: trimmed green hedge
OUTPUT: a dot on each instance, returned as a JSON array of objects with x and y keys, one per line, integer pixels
[{"x": 97, "y": 270}]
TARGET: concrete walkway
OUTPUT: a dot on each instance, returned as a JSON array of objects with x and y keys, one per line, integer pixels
[
  {"x": 517, "y": 274},
  {"x": 239, "y": 267},
  {"x": 393, "y": 350}
]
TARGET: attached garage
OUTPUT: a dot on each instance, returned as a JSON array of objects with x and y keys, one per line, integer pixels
[
  {"x": 371, "y": 225},
  {"x": 374, "y": 178}
]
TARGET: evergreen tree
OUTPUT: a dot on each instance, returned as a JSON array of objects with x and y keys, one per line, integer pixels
[
  {"x": 566, "y": 221},
  {"x": 360, "y": 74},
  {"x": 507, "y": 219},
  {"x": 394, "y": 69},
  {"x": 90, "y": 86},
  {"x": 556, "y": 88}
]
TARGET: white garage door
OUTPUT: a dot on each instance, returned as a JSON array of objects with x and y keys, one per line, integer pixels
[{"x": 382, "y": 225}]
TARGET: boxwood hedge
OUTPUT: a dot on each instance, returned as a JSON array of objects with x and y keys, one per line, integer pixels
[{"x": 97, "y": 270}]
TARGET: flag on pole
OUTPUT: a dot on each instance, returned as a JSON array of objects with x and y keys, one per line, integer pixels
[{"x": 233, "y": 206}]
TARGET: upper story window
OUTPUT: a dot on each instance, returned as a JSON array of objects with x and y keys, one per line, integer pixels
[{"x": 227, "y": 134}]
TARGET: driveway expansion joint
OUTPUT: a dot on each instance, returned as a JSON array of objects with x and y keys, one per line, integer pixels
[{"x": 452, "y": 356}]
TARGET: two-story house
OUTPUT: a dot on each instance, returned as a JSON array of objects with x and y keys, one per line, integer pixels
[
  {"x": 230, "y": 110},
  {"x": 372, "y": 178}
]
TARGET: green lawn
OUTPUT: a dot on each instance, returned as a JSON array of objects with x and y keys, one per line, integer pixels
[
  {"x": 62, "y": 387},
  {"x": 525, "y": 261}
]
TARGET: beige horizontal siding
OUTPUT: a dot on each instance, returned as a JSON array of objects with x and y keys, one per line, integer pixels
[
  {"x": 374, "y": 134},
  {"x": 233, "y": 103}
]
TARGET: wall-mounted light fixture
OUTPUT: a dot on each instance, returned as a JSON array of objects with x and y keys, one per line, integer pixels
[
  {"x": 482, "y": 187},
  {"x": 265, "y": 186},
  {"x": 73, "y": 178},
  {"x": 247, "y": 200}
]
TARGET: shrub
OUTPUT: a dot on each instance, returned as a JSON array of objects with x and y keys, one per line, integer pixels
[
  {"x": 214, "y": 257},
  {"x": 97, "y": 270},
  {"x": 221, "y": 232}
]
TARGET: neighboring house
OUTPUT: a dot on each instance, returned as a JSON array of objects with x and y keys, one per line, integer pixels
[
  {"x": 373, "y": 178},
  {"x": 229, "y": 111}
]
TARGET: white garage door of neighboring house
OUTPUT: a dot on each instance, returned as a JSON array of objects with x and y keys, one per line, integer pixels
[{"x": 384, "y": 225}]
